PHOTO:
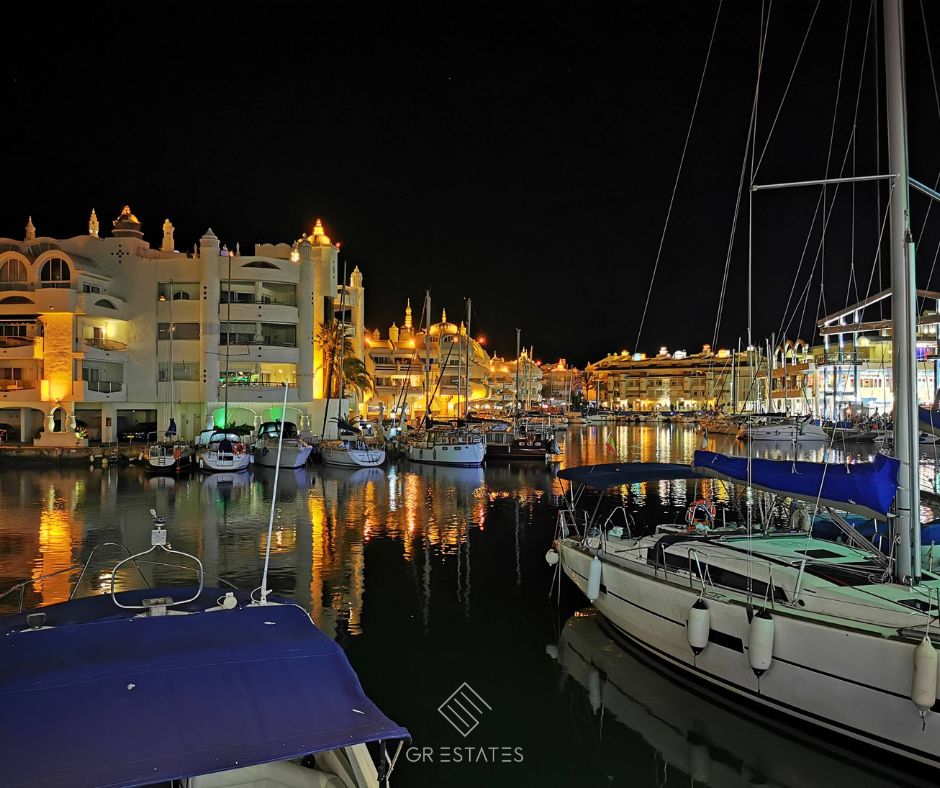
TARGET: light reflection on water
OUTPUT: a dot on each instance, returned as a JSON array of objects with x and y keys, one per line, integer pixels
[{"x": 428, "y": 576}]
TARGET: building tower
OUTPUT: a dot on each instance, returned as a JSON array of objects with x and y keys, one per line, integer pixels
[
  {"x": 306, "y": 323},
  {"x": 209, "y": 316}
]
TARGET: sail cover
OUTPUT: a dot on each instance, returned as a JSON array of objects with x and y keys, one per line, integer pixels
[
  {"x": 614, "y": 474},
  {"x": 865, "y": 488},
  {"x": 149, "y": 700}
]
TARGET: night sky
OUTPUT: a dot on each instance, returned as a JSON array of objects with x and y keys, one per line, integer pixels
[{"x": 519, "y": 154}]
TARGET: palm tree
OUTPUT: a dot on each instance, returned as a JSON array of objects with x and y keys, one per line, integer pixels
[
  {"x": 335, "y": 345},
  {"x": 356, "y": 377}
]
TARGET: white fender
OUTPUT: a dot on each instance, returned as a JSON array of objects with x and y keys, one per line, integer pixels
[
  {"x": 594, "y": 689},
  {"x": 760, "y": 644},
  {"x": 700, "y": 762},
  {"x": 924, "y": 681},
  {"x": 698, "y": 626},
  {"x": 800, "y": 520},
  {"x": 551, "y": 557},
  {"x": 594, "y": 579}
]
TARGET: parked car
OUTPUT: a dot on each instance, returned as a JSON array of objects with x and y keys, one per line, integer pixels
[
  {"x": 92, "y": 433},
  {"x": 143, "y": 431}
]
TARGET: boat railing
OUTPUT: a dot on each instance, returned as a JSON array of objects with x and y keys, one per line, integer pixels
[
  {"x": 704, "y": 575},
  {"x": 627, "y": 521}
]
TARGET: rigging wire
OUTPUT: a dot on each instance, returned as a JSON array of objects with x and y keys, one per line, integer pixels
[{"x": 675, "y": 185}]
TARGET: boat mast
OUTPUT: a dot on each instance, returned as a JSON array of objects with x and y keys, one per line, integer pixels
[
  {"x": 459, "y": 360},
  {"x": 228, "y": 343},
  {"x": 903, "y": 304},
  {"x": 342, "y": 347},
  {"x": 466, "y": 399},
  {"x": 427, "y": 358},
  {"x": 515, "y": 405}
]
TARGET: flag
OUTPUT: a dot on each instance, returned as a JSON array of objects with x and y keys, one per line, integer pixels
[{"x": 611, "y": 444}]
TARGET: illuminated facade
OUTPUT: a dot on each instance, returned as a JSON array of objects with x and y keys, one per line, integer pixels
[
  {"x": 99, "y": 334},
  {"x": 674, "y": 381},
  {"x": 397, "y": 365},
  {"x": 502, "y": 382}
]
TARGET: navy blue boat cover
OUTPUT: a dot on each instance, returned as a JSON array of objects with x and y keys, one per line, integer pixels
[
  {"x": 614, "y": 474},
  {"x": 865, "y": 488},
  {"x": 104, "y": 699}
]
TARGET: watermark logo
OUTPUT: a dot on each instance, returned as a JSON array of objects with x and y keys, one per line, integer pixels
[{"x": 463, "y": 709}]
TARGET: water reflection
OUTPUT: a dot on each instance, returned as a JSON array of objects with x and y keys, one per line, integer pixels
[
  {"x": 410, "y": 560},
  {"x": 707, "y": 737}
]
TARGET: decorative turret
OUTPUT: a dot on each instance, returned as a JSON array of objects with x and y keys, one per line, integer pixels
[
  {"x": 167, "y": 245},
  {"x": 408, "y": 324},
  {"x": 355, "y": 278},
  {"x": 127, "y": 225},
  {"x": 444, "y": 315},
  {"x": 377, "y": 335},
  {"x": 319, "y": 237},
  {"x": 393, "y": 333},
  {"x": 93, "y": 227},
  {"x": 30, "y": 230}
]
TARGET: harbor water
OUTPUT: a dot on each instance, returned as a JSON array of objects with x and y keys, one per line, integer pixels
[{"x": 434, "y": 581}]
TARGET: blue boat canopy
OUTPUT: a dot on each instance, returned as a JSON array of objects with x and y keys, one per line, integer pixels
[
  {"x": 865, "y": 488},
  {"x": 104, "y": 698},
  {"x": 614, "y": 474}
]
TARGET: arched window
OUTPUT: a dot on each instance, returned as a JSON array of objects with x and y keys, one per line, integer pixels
[
  {"x": 55, "y": 273},
  {"x": 12, "y": 275}
]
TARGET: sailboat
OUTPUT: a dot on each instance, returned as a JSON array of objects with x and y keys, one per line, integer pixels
[
  {"x": 834, "y": 635},
  {"x": 168, "y": 454},
  {"x": 350, "y": 449},
  {"x": 219, "y": 450},
  {"x": 444, "y": 444}
]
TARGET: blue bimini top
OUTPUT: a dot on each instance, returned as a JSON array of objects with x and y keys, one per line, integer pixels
[{"x": 105, "y": 698}]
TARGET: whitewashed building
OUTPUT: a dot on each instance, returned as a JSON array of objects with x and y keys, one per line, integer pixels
[{"x": 106, "y": 336}]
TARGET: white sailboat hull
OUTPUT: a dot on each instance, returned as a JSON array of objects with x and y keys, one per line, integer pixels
[
  {"x": 352, "y": 458},
  {"x": 854, "y": 683},
  {"x": 787, "y": 432},
  {"x": 292, "y": 456},
  {"x": 459, "y": 455}
]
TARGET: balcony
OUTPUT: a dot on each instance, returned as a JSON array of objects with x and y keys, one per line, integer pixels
[
  {"x": 20, "y": 347},
  {"x": 101, "y": 305},
  {"x": 99, "y": 390},
  {"x": 20, "y": 391},
  {"x": 103, "y": 349},
  {"x": 257, "y": 392},
  {"x": 257, "y": 311},
  {"x": 43, "y": 299}
]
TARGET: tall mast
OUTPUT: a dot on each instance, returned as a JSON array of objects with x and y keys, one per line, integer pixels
[
  {"x": 466, "y": 406},
  {"x": 459, "y": 361},
  {"x": 427, "y": 357},
  {"x": 342, "y": 343},
  {"x": 903, "y": 303},
  {"x": 515, "y": 405},
  {"x": 228, "y": 343}
]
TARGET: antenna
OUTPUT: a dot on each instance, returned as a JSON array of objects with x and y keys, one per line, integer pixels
[{"x": 277, "y": 472}]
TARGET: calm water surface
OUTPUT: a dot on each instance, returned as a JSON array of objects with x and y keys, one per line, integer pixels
[{"x": 431, "y": 577}]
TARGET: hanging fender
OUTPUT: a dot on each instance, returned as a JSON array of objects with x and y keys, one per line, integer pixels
[
  {"x": 760, "y": 646},
  {"x": 698, "y": 626}
]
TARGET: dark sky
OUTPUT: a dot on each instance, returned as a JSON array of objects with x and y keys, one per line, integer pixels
[{"x": 519, "y": 154}]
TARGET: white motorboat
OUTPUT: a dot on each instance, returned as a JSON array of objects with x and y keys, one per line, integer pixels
[
  {"x": 782, "y": 428},
  {"x": 295, "y": 451},
  {"x": 218, "y": 450},
  {"x": 447, "y": 446},
  {"x": 352, "y": 452}
]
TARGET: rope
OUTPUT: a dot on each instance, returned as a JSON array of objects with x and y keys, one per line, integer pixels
[{"x": 675, "y": 185}]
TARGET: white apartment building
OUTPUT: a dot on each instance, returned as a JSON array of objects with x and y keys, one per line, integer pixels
[{"x": 105, "y": 335}]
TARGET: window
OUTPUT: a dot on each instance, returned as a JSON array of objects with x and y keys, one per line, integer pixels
[
  {"x": 87, "y": 288},
  {"x": 11, "y": 373},
  {"x": 103, "y": 302},
  {"x": 180, "y": 331},
  {"x": 13, "y": 329},
  {"x": 279, "y": 334},
  {"x": 182, "y": 370},
  {"x": 238, "y": 333},
  {"x": 55, "y": 273},
  {"x": 12, "y": 275},
  {"x": 178, "y": 291}
]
